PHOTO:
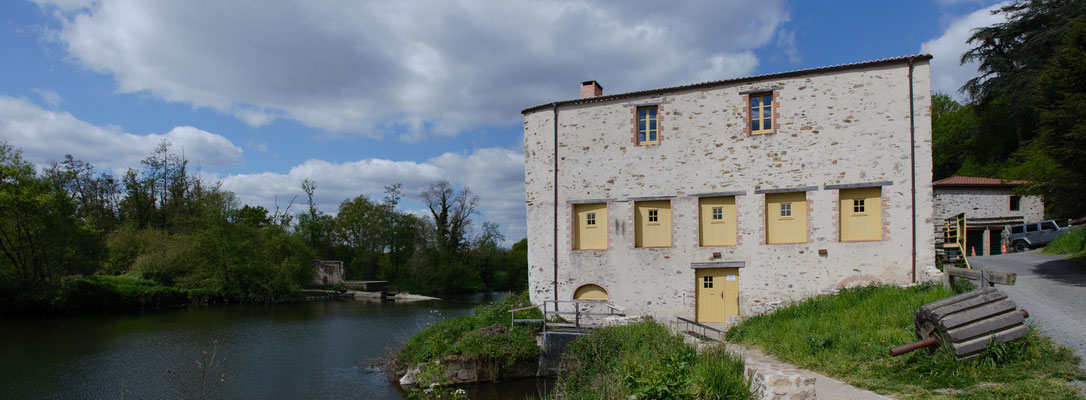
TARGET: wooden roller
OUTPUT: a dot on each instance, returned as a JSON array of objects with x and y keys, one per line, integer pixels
[{"x": 966, "y": 323}]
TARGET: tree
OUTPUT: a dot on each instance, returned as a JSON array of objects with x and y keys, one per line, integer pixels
[
  {"x": 1062, "y": 86},
  {"x": 953, "y": 127},
  {"x": 41, "y": 237},
  {"x": 452, "y": 210},
  {"x": 1011, "y": 55},
  {"x": 314, "y": 226},
  {"x": 363, "y": 226}
]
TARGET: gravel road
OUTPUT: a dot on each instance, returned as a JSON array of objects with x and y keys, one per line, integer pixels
[{"x": 1051, "y": 288}]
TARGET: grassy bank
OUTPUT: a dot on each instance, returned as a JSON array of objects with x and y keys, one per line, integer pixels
[
  {"x": 646, "y": 361},
  {"x": 475, "y": 336},
  {"x": 1072, "y": 243},
  {"x": 847, "y": 336}
]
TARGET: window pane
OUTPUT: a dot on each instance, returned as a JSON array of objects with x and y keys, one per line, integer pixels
[
  {"x": 652, "y": 136},
  {"x": 641, "y": 125},
  {"x": 652, "y": 113},
  {"x": 767, "y": 111},
  {"x": 642, "y": 113},
  {"x": 755, "y": 101},
  {"x": 652, "y": 124},
  {"x": 767, "y": 99},
  {"x": 641, "y": 136},
  {"x": 755, "y": 126},
  {"x": 768, "y": 124}
]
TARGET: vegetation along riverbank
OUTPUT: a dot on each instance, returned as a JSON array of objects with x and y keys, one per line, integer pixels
[{"x": 76, "y": 239}]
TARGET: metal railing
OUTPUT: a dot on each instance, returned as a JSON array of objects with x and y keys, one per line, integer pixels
[
  {"x": 702, "y": 328},
  {"x": 577, "y": 314}
]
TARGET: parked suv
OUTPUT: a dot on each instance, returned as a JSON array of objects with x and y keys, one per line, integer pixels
[{"x": 1034, "y": 234}]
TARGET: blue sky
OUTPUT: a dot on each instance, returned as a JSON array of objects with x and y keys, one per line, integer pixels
[{"x": 359, "y": 95}]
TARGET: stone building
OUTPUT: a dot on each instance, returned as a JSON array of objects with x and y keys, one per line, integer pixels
[
  {"x": 989, "y": 205},
  {"x": 732, "y": 197}
]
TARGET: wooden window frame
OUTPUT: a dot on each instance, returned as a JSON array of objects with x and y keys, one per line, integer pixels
[
  {"x": 758, "y": 113},
  {"x": 1013, "y": 203},
  {"x": 651, "y": 136}
]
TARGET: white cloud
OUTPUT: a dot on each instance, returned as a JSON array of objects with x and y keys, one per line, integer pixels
[
  {"x": 47, "y": 135},
  {"x": 48, "y": 96},
  {"x": 947, "y": 74},
  {"x": 496, "y": 174},
  {"x": 432, "y": 67}
]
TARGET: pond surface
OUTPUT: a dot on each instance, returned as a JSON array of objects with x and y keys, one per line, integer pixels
[{"x": 316, "y": 350}]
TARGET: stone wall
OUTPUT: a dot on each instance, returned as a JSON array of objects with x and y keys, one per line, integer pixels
[
  {"x": 328, "y": 272},
  {"x": 833, "y": 128},
  {"x": 985, "y": 202}
]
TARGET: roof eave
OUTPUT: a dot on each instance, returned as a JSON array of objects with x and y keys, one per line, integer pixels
[{"x": 832, "y": 68}]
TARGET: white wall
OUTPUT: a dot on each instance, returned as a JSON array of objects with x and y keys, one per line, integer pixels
[
  {"x": 842, "y": 127},
  {"x": 985, "y": 202}
]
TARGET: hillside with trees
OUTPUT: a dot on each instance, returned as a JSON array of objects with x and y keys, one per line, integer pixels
[{"x": 1026, "y": 114}]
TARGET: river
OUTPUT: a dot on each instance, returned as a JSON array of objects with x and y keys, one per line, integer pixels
[{"x": 315, "y": 350}]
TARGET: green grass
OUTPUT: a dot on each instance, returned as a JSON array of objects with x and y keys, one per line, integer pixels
[
  {"x": 1072, "y": 243},
  {"x": 465, "y": 336},
  {"x": 645, "y": 361},
  {"x": 848, "y": 336}
]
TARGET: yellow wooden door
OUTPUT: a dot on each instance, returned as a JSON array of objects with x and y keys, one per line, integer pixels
[
  {"x": 861, "y": 214},
  {"x": 786, "y": 217},
  {"x": 717, "y": 294},
  {"x": 590, "y": 226},
  {"x": 717, "y": 215},
  {"x": 652, "y": 221}
]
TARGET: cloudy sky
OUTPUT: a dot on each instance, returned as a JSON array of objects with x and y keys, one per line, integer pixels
[{"x": 358, "y": 95}]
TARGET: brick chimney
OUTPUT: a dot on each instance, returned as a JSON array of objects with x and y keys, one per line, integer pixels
[{"x": 591, "y": 89}]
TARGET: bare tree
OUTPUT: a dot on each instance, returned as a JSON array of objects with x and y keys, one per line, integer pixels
[{"x": 452, "y": 210}]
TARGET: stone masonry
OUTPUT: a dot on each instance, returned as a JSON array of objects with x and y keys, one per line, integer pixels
[{"x": 838, "y": 127}]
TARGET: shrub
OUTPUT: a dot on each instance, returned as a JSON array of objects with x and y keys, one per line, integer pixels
[
  {"x": 645, "y": 360},
  {"x": 1073, "y": 242},
  {"x": 464, "y": 336}
]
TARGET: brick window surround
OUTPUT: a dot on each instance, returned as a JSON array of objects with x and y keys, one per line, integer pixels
[
  {"x": 776, "y": 112},
  {"x": 659, "y": 125}
]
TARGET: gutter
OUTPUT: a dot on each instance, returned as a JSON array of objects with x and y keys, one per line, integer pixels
[
  {"x": 555, "y": 105},
  {"x": 912, "y": 158}
]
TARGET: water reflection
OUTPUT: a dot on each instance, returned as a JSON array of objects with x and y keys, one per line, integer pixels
[{"x": 286, "y": 351}]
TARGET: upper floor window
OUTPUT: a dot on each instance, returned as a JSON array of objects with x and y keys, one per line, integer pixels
[
  {"x": 646, "y": 125},
  {"x": 761, "y": 113},
  {"x": 1016, "y": 203}
]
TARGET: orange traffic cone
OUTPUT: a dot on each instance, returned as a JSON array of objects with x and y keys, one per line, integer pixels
[
  {"x": 972, "y": 251},
  {"x": 1004, "y": 248}
]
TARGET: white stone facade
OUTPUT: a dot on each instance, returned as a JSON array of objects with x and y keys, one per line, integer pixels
[
  {"x": 846, "y": 125},
  {"x": 985, "y": 202}
]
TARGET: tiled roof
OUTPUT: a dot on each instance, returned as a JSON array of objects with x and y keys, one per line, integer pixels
[
  {"x": 829, "y": 68},
  {"x": 975, "y": 181}
]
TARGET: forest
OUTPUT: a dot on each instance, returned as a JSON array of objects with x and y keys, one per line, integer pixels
[
  {"x": 73, "y": 238},
  {"x": 1025, "y": 117}
]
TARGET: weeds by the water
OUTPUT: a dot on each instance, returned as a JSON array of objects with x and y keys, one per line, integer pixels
[
  {"x": 646, "y": 361},
  {"x": 847, "y": 336},
  {"x": 465, "y": 336}
]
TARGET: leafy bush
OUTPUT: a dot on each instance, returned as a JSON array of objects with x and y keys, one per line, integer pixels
[
  {"x": 466, "y": 336},
  {"x": 1073, "y": 242},
  {"x": 644, "y": 360}
]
